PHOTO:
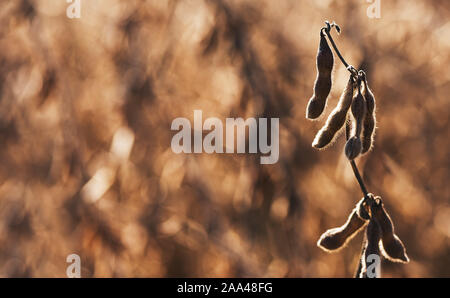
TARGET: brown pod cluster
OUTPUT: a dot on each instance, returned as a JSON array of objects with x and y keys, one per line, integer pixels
[
  {"x": 373, "y": 236},
  {"x": 392, "y": 247},
  {"x": 322, "y": 85},
  {"x": 336, "y": 238},
  {"x": 336, "y": 119},
  {"x": 369, "y": 120},
  {"x": 360, "y": 124},
  {"x": 358, "y": 108}
]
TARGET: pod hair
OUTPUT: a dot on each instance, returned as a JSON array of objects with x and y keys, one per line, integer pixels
[
  {"x": 322, "y": 85},
  {"x": 391, "y": 245},
  {"x": 336, "y": 238},
  {"x": 369, "y": 120},
  {"x": 336, "y": 119},
  {"x": 353, "y": 146}
]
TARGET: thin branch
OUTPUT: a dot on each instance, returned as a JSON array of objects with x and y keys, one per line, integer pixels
[
  {"x": 335, "y": 47},
  {"x": 359, "y": 76},
  {"x": 355, "y": 73},
  {"x": 359, "y": 178},
  {"x": 327, "y": 30}
]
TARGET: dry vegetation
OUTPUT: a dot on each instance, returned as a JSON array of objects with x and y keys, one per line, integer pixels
[{"x": 77, "y": 95}]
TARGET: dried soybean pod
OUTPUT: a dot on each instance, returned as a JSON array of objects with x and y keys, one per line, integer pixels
[
  {"x": 373, "y": 236},
  {"x": 336, "y": 119},
  {"x": 361, "y": 271},
  {"x": 392, "y": 247},
  {"x": 322, "y": 85},
  {"x": 361, "y": 209},
  {"x": 373, "y": 233},
  {"x": 348, "y": 127},
  {"x": 337, "y": 237},
  {"x": 358, "y": 108},
  {"x": 369, "y": 120},
  {"x": 353, "y": 147}
]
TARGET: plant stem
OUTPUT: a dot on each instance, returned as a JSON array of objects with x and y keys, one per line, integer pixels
[
  {"x": 358, "y": 75},
  {"x": 353, "y": 72},
  {"x": 359, "y": 178},
  {"x": 335, "y": 47}
]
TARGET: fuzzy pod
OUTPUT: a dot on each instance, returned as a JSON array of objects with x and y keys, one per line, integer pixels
[
  {"x": 361, "y": 271},
  {"x": 373, "y": 236},
  {"x": 369, "y": 120},
  {"x": 392, "y": 247},
  {"x": 373, "y": 233},
  {"x": 322, "y": 85},
  {"x": 336, "y": 238},
  {"x": 336, "y": 119},
  {"x": 353, "y": 146},
  {"x": 362, "y": 209},
  {"x": 348, "y": 127}
]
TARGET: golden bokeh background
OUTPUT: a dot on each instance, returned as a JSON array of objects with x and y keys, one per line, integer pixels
[{"x": 86, "y": 165}]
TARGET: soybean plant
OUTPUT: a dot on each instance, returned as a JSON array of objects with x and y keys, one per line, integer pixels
[{"x": 356, "y": 112}]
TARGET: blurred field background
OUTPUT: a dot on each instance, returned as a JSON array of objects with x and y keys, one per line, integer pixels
[{"x": 86, "y": 165}]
